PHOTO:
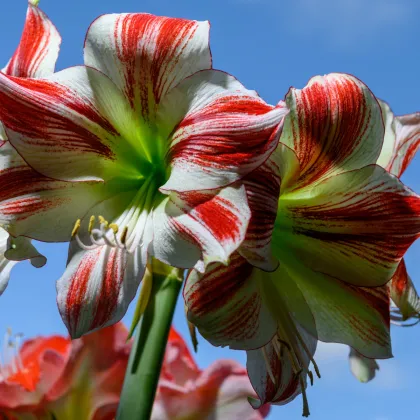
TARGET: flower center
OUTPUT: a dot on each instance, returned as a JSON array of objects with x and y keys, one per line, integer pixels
[{"x": 127, "y": 230}]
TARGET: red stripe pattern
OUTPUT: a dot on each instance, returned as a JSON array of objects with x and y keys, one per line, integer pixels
[
  {"x": 97, "y": 288},
  {"x": 147, "y": 55},
  {"x": 263, "y": 189},
  {"x": 334, "y": 125},
  {"x": 218, "y": 131},
  {"x": 38, "y": 49},
  {"x": 226, "y": 305},
  {"x": 407, "y": 129},
  {"x": 404, "y": 294},
  {"x": 355, "y": 226}
]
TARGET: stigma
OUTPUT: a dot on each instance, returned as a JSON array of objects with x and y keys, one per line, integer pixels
[{"x": 101, "y": 233}]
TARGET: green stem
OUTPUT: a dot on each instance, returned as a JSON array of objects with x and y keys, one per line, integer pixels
[{"x": 142, "y": 375}]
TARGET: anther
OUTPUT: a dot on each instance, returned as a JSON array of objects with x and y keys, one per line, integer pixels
[
  {"x": 124, "y": 235},
  {"x": 91, "y": 223},
  {"x": 268, "y": 366},
  {"x": 103, "y": 221},
  {"x": 75, "y": 228},
  {"x": 113, "y": 227},
  {"x": 311, "y": 377}
]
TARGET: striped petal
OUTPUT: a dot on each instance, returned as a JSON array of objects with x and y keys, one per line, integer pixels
[
  {"x": 237, "y": 317},
  {"x": 404, "y": 295},
  {"x": 402, "y": 140},
  {"x": 39, "y": 207},
  {"x": 75, "y": 125},
  {"x": 263, "y": 188},
  {"x": 38, "y": 49},
  {"x": 200, "y": 227},
  {"x": 222, "y": 131},
  {"x": 5, "y": 264},
  {"x": 272, "y": 375},
  {"x": 363, "y": 368},
  {"x": 147, "y": 55},
  {"x": 343, "y": 313},
  {"x": 97, "y": 287},
  {"x": 355, "y": 226},
  {"x": 335, "y": 125}
]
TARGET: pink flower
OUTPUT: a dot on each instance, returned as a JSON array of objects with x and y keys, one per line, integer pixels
[
  {"x": 53, "y": 376},
  {"x": 186, "y": 392}
]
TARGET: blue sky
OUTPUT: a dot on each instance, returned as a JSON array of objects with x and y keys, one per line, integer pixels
[{"x": 269, "y": 45}]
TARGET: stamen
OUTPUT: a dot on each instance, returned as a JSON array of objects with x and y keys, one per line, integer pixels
[
  {"x": 83, "y": 246},
  {"x": 91, "y": 223},
  {"x": 268, "y": 366},
  {"x": 76, "y": 228},
  {"x": 311, "y": 377},
  {"x": 305, "y": 412},
  {"x": 290, "y": 338},
  {"x": 18, "y": 338},
  {"x": 10, "y": 360},
  {"x": 103, "y": 221},
  {"x": 114, "y": 227},
  {"x": 124, "y": 235}
]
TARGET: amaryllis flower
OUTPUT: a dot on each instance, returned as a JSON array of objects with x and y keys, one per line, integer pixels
[
  {"x": 219, "y": 392},
  {"x": 147, "y": 146},
  {"x": 53, "y": 377},
  {"x": 401, "y": 142},
  {"x": 336, "y": 223},
  {"x": 29, "y": 373},
  {"x": 35, "y": 57}
]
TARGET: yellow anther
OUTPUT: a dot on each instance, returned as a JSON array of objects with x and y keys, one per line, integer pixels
[
  {"x": 124, "y": 235},
  {"x": 76, "y": 228},
  {"x": 114, "y": 227},
  {"x": 103, "y": 221},
  {"x": 91, "y": 223}
]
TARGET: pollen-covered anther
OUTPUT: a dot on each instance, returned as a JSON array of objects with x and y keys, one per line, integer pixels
[{"x": 104, "y": 234}]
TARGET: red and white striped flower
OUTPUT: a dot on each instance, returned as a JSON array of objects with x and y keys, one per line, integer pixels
[
  {"x": 35, "y": 57},
  {"x": 147, "y": 146},
  {"x": 340, "y": 226},
  {"x": 401, "y": 143}
]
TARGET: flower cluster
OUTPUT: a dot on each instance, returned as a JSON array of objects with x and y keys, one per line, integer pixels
[
  {"x": 290, "y": 219},
  {"x": 54, "y": 377}
]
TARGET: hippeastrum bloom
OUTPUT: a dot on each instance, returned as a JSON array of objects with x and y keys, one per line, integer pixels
[
  {"x": 337, "y": 223},
  {"x": 146, "y": 146},
  {"x": 53, "y": 377},
  {"x": 35, "y": 57},
  {"x": 401, "y": 142},
  {"x": 219, "y": 392},
  {"x": 29, "y": 373}
]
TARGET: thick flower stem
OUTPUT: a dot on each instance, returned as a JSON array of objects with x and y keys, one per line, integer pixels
[{"x": 146, "y": 356}]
